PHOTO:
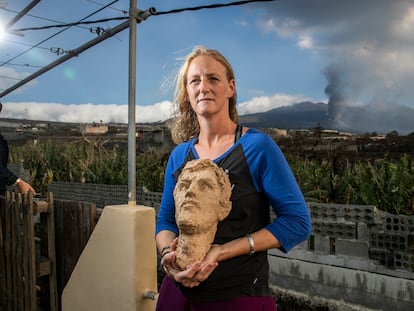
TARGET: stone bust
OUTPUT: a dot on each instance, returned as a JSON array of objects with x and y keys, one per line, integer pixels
[{"x": 202, "y": 199}]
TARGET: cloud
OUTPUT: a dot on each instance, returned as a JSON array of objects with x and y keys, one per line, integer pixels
[
  {"x": 10, "y": 76},
  {"x": 84, "y": 113},
  {"x": 369, "y": 43},
  {"x": 266, "y": 103},
  {"x": 88, "y": 113}
]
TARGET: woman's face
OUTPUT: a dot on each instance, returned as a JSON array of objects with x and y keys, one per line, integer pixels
[{"x": 208, "y": 88}]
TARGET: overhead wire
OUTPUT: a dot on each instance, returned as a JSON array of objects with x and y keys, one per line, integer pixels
[
  {"x": 109, "y": 7},
  {"x": 11, "y": 78},
  {"x": 26, "y": 44},
  {"x": 24, "y": 65},
  {"x": 210, "y": 6},
  {"x": 73, "y": 24},
  {"x": 55, "y": 34},
  {"x": 83, "y": 22},
  {"x": 39, "y": 17},
  {"x": 174, "y": 11}
]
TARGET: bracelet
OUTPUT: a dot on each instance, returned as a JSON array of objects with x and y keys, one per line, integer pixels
[
  {"x": 165, "y": 250},
  {"x": 17, "y": 181},
  {"x": 251, "y": 244},
  {"x": 165, "y": 253}
]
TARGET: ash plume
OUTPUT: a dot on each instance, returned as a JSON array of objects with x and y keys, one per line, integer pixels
[
  {"x": 367, "y": 48},
  {"x": 334, "y": 92}
]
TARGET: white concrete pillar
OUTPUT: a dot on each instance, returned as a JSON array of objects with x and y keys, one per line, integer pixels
[{"x": 118, "y": 265}]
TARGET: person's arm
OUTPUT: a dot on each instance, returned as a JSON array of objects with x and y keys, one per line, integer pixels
[
  {"x": 24, "y": 187},
  {"x": 258, "y": 241},
  {"x": 164, "y": 240},
  {"x": 166, "y": 229},
  {"x": 293, "y": 223},
  {"x": 273, "y": 177},
  {"x": 7, "y": 177}
]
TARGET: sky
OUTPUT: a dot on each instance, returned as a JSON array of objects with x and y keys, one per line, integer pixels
[{"x": 283, "y": 52}]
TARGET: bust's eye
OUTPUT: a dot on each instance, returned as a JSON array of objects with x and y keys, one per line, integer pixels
[
  {"x": 205, "y": 184},
  {"x": 183, "y": 185}
]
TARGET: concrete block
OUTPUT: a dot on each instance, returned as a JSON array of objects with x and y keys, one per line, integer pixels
[
  {"x": 322, "y": 244},
  {"x": 335, "y": 229},
  {"x": 392, "y": 241},
  {"x": 404, "y": 261},
  {"x": 304, "y": 245},
  {"x": 351, "y": 248},
  {"x": 323, "y": 211},
  {"x": 384, "y": 257},
  {"x": 362, "y": 232},
  {"x": 359, "y": 213}
]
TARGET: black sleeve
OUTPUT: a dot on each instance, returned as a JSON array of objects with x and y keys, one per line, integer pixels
[{"x": 6, "y": 176}]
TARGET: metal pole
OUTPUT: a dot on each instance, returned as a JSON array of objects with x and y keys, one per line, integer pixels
[
  {"x": 22, "y": 13},
  {"x": 132, "y": 129}
]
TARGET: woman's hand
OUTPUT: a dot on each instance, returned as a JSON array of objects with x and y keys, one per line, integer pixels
[
  {"x": 209, "y": 263},
  {"x": 194, "y": 274}
]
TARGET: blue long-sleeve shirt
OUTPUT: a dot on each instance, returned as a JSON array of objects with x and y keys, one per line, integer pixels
[
  {"x": 269, "y": 174},
  {"x": 260, "y": 178}
]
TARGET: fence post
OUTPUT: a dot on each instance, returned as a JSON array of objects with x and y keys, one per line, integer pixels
[{"x": 20, "y": 258}]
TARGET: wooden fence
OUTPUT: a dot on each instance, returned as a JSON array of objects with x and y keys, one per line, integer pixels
[{"x": 27, "y": 253}]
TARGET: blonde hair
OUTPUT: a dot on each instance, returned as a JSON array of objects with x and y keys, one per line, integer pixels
[{"x": 185, "y": 124}]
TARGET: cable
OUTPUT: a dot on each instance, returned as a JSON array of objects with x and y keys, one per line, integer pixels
[
  {"x": 115, "y": 9},
  {"x": 23, "y": 65},
  {"x": 55, "y": 50},
  {"x": 59, "y": 32},
  {"x": 210, "y": 6},
  {"x": 73, "y": 24},
  {"x": 61, "y": 51},
  {"x": 38, "y": 17},
  {"x": 25, "y": 44},
  {"x": 10, "y": 78}
]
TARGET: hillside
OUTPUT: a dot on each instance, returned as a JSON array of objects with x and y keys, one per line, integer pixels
[
  {"x": 381, "y": 119},
  {"x": 359, "y": 120}
]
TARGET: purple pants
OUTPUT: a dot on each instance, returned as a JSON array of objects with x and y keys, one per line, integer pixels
[{"x": 171, "y": 299}]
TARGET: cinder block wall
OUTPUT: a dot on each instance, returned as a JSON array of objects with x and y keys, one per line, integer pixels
[{"x": 356, "y": 253}]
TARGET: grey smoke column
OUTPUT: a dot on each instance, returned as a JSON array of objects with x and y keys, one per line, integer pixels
[{"x": 334, "y": 90}]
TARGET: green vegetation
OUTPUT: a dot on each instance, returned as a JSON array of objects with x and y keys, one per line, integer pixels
[
  {"x": 86, "y": 161},
  {"x": 389, "y": 185},
  {"x": 383, "y": 182}
]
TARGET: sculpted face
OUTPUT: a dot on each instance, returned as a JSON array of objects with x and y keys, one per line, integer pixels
[
  {"x": 202, "y": 199},
  {"x": 197, "y": 198}
]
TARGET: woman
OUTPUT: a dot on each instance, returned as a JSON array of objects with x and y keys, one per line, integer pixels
[{"x": 234, "y": 273}]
